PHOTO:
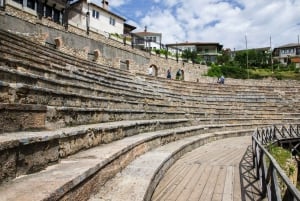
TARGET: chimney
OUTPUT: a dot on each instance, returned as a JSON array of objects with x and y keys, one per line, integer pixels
[
  {"x": 145, "y": 29},
  {"x": 105, "y": 4}
]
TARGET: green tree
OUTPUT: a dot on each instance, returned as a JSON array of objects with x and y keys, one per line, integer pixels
[
  {"x": 186, "y": 54},
  {"x": 224, "y": 58},
  {"x": 256, "y": 58},
  {"x": 191, "y": 55},
  {"x": 240, "y": 58},
  {"x": 228, "y": 71}
]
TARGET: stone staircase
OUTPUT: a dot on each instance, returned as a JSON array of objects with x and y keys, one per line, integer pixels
[{"x": 70, "y": 125}]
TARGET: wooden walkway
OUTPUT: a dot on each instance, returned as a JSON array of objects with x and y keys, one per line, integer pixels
[{"x": 218, "y": 171}]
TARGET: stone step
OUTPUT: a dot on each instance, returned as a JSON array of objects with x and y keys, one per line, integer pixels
[
  {"x": 55, "y": 52},
  {"x": 211, "y": 97},
  {"x": 58, "y": 87},
  {"x": 78, "y": 175},
  {"x": 68, "y": 116},
  {"x": 27, "y": 152},
  {"x": 194, "y": 89},
  {"x": 13, "y": 76},
  {"x": 278, "y": 85},
  {"x": 271, "y": 90},
  {"x": 59, "y": 116},
  {"x": 65, "y": 87},
  {"x": 14, "y": 93},
  {"x": 22, "y": 117},
  {"x": 70, "y": 80},
  {"x": 253, "y": 120},
  {"x": 139, "y": 179},
  {"x": 54, "y": 55},
  {"x": 70, "y": 96},
  {"x": 222, "y": 98}
]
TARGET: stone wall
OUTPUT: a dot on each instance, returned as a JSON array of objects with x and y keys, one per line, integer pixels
[
  {"x": 97, "y": 47},
  {"x": 109, "y": 51},
  {"x": 191, "y": 72}
]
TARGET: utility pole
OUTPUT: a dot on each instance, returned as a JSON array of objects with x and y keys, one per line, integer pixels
[
  {"x": 271, "y": 54},
  {"x": 247, "y": 55},
  {"x": 88, "y": 16},
  {"x": 176, "y": 52}
]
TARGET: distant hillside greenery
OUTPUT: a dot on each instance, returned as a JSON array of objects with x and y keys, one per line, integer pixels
[{"x": 259, "y": 67}]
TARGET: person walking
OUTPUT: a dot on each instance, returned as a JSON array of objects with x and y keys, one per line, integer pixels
[
  {"x": 169, "y": 74},
  {"x": 178, "y": 74}
]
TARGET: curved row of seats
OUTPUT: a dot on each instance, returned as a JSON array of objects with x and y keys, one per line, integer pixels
[{"x": 80, "y": 123}]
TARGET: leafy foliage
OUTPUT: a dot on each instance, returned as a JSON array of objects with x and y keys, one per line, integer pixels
[
  {"x": 256, "y": 58},
  {"x": 224, "y": 58},
  {"x": 259, "y": 66},
  {"x": 283, "y": 157},
  {"x": 188, "y": 54},
  {"x": 228, "y": 71}
]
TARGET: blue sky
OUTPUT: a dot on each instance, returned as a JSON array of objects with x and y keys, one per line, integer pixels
[{"x": 223, "y": 21}]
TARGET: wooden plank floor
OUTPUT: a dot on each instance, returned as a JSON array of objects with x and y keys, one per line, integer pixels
[{"x": 218, "y": 171}]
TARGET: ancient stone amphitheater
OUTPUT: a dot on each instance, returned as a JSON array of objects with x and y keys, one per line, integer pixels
[{"x": 75, "y": 130}]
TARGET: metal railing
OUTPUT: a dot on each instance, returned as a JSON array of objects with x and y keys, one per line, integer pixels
[{"x": 275, "y": 184}]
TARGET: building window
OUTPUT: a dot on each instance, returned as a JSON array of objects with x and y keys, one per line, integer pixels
[
  {"x": 48, "y": 13},
  {"x": 139, "y": 41},
  {"x": 56, "y": 16},
  {"x": 31, "y": 4},
  {"x": 95, "y": 14},
  {"x": 112, "y": 21},
  {"x": 19, "y": 1}
]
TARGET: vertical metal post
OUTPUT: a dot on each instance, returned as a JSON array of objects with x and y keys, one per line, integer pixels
[
  {"x": 271, "y": 54},
  {"x": 166, "y": 55},
  {"x": 65, "y": 18},
  {"x": 40, "y": 9},
  {"x": 247, "y": 54},
  {"x": 132, "y": 42},
  {"x": 88, "y": 19},
  {"x": 176, "y": 53}
]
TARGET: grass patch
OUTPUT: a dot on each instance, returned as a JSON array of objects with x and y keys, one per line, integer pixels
[{"x": 282, "y": 156}]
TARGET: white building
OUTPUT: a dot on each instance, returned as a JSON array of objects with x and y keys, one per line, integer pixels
[
  {"x": 52, "y": 9},
  {"x": 209, "y": 51},
  {"x": 289, "y": 53},
  {"x": 98, "y": 18},
  {"x": 147, "y": 40}
]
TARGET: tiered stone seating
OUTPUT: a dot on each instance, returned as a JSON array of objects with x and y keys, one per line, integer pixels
[{"x": 69, "y": 125}]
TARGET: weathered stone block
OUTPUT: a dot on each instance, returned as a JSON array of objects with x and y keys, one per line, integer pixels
[
  {"x": 72, "y": 144},
  {"x": 15, "y": 117},
  {"x": 37, "y": 156},
  {"x": 8, "y": 158}
]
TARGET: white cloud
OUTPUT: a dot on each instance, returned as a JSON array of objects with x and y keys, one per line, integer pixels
[
  {"x": 224, "y": 21},
  {"x": 166, "y": 22}
]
